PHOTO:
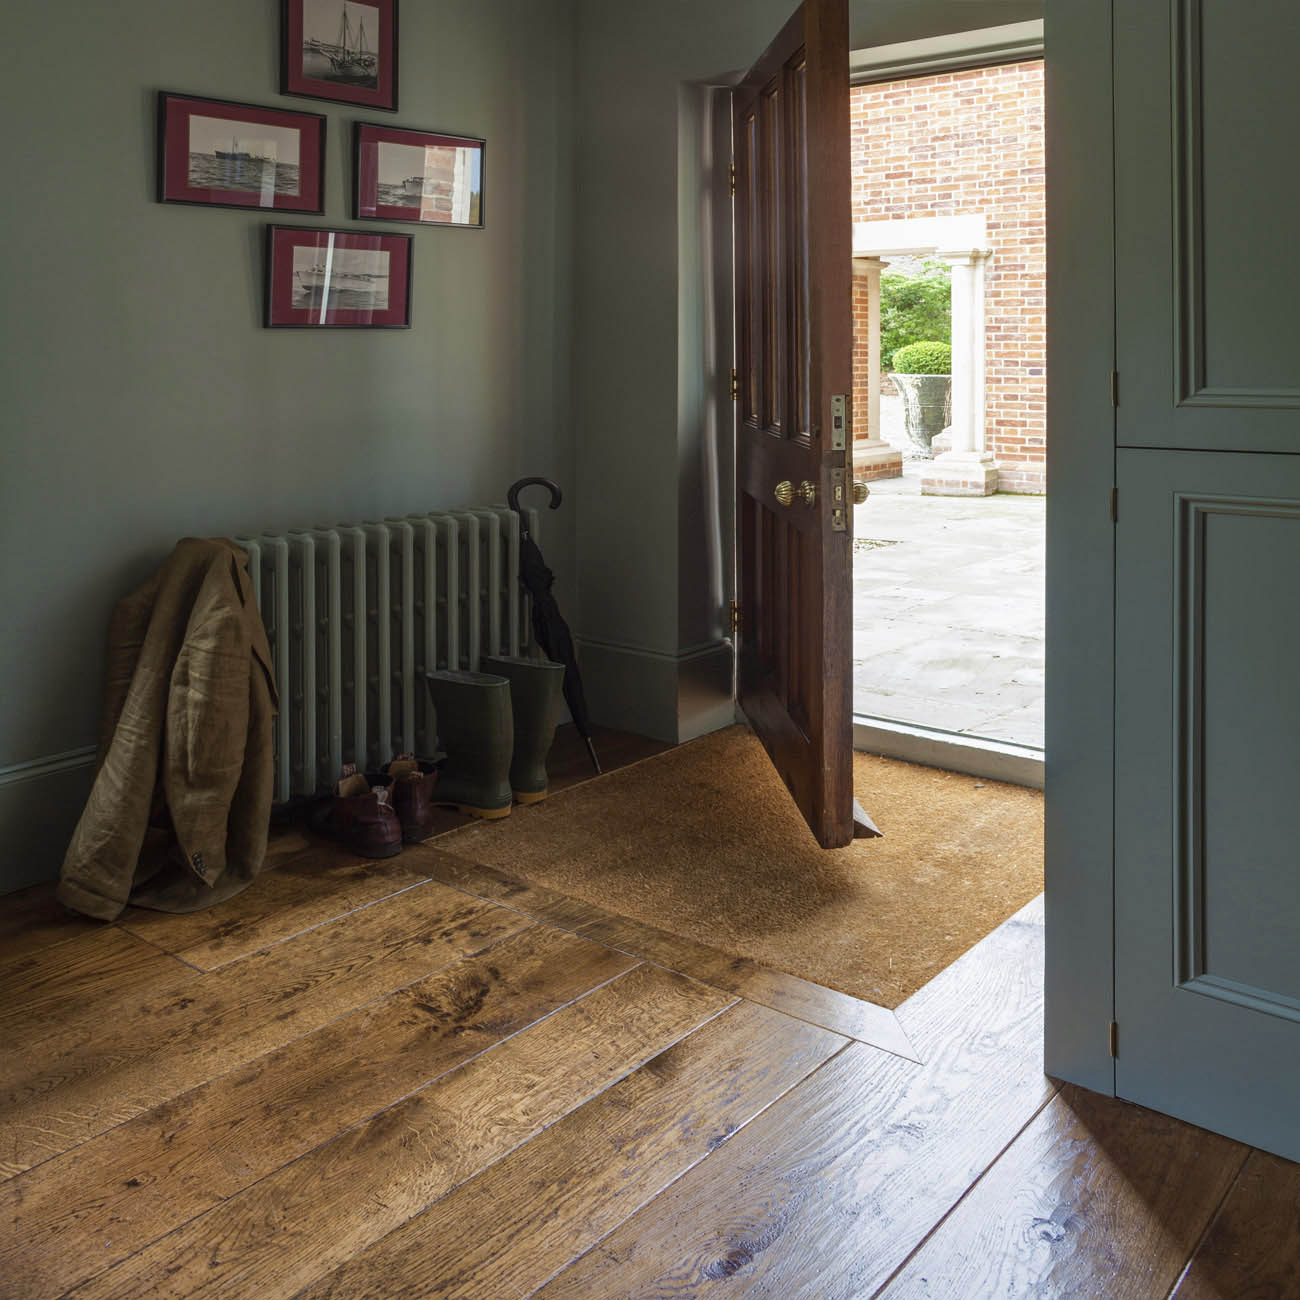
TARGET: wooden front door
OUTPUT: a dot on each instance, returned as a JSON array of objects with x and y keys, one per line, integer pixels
[{"x": 790, "y": 133}]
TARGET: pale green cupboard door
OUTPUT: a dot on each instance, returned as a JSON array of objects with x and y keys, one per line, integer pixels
[{"x": 1207, "y": 630}]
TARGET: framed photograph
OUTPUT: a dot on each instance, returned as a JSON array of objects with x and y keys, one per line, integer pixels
[
  {"x": 337, "y": 278},
  {"x": 426, "y": 177},
  {"x": 229, "y": 155},
  {"x": 344, "y": 50}
]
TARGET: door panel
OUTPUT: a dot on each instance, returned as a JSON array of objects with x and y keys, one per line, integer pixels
[
  {"x": 794, "y": 354},
  {"x": 1207, "y": 767},
  {"x": 1207, "y": 611},
  {"x": 1206, "y": 224}
]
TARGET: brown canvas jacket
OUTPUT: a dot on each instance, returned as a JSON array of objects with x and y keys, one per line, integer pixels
[{"x": 179, "y": 811}]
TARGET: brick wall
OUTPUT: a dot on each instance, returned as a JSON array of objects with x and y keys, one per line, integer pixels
[
  {"x": 861, "y": 355},
  {"x": 967, "y": 143}
]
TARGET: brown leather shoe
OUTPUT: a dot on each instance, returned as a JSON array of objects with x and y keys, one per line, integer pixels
[
  {"x": 412, "y": 783},
  {"x": 360, "y": 816}
]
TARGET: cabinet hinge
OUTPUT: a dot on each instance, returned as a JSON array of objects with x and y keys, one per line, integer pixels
[
  {"x": 1113, "y": 1039},
  {"x": 1114, "y": 505},
  {"x": 735, "y": 386},
  {"x": 1114, "y": 387},
  {"x": 735, "y": 617},
  {"x": 731, "y": 180}
]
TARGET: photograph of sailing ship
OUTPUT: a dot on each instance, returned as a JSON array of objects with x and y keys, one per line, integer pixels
[
  {"x": 340, "y": 42},
  {"x": 340, "y": 279},
  {"x": 246, "y": 156}
]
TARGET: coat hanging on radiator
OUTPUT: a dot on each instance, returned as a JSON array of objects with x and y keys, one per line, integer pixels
[{"x": 356, "y": 614}]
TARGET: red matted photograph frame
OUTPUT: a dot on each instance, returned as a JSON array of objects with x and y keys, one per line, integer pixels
[
  {"x": 349, "y": 279},
  {"x": 344, "y": 50},
  {"x": 428, "y": 178},
  {"x": 223, "y": 154}
]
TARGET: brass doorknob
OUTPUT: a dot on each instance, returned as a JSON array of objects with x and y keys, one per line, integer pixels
[
  {"x": 808, "y": 493},
  {"x": 784, "y": 493},
  {"x": 860, "y": 493}
]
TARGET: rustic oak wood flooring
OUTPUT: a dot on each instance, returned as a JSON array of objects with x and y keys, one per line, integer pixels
[{"x": 425, "y": 1078}]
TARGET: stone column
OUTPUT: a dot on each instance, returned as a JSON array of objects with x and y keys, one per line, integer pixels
[
  {"x": 873, "y": 457},
  {"x": 965, "y": 468}
]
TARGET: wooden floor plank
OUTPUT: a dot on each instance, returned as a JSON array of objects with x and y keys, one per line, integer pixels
[
  {"x": 1097, "y": 1197},
  {"x": 1252, "y": 1251},
  {"x": 512, "y": 1227},
  {"x": 80, "y": 1214},
  {"x": 297, "y": 1225},
  {"x": 786, "y": 993},
  {"x": 315, "y": 886},
  {"x": 91, "y": 1079},
  {"x": 829, "y": 1190},
  {"x": 972, "y": 980},
  {"x": 56, "y": 989},
  {"x": 33, "y": 918}
]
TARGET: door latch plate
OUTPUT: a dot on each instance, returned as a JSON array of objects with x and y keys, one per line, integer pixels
[
  {"x": 839, "y": 422},
  {"x": 839, "y": 502}
]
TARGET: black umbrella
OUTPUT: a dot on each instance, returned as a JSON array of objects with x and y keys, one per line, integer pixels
[{"x": 550, "y": 631}]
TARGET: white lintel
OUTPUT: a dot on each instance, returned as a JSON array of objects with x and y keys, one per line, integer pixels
[{"x": 919, "y": 236}]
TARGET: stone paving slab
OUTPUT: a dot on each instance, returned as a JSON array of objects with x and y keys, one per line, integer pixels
[{"x": 948, "y": 610}]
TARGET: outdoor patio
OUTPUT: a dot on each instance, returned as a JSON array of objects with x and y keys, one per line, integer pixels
[{"x": 948, "y": 610}]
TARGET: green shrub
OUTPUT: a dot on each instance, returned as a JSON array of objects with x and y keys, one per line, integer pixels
[
  {"x": 913, "y": 309},
  {"x": 928, "y": 358}
]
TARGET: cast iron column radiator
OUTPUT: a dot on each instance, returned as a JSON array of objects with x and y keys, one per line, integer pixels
[{"x": 356, "y": 615}]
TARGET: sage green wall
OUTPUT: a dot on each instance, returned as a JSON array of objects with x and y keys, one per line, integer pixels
[
  {"x": 648, "y": 433},
  {"x": 142, "y": 399}
]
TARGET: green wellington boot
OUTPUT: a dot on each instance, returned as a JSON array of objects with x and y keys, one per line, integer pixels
[
  {"x": 535, "y": 686},
  {"x": 475, "y": 727}
]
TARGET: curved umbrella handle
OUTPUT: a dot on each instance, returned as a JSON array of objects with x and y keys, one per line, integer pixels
[{"x": 512, "y": 496}]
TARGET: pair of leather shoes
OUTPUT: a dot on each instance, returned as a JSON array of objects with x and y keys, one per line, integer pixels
[{"x": 375, "y": 814}]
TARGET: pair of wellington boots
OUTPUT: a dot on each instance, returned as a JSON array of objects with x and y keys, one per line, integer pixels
[{"x": 496, "y": 727}]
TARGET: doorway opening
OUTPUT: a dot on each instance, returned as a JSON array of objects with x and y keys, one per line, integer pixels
[{"x": 949, "y": 551}]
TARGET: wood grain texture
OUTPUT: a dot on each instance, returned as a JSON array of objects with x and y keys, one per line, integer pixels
[
  {"x": 505, "y": 1232},
  {"x": 825, "y": 1194},
  {"x": 1252, "y": 1251},
  {"x": 786, "y": 993},
  {"x": 33, "y": 918},
  {"x": 1096, "y": 1197},
  {"x": 297, "y": 1225},
  {"x": 78, "y": 982},
  {"x": 316, "y": 885},
  {"x": 87, "y": 1080},
  {"x": 90, "y": 1208}
]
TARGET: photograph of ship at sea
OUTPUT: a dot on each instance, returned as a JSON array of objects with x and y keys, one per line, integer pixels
[
  {"x": 443, "y": 181},
  {"x": 340, "y": 279},
  {"x": 251, "y": 157},
  {"x": 340, "y": 42}
]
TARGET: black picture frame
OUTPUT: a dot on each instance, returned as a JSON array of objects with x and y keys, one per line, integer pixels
[
  {"x": 181, "y": 173},
  {"x": 332, "y": 301},
  {"x": 300, "y": 47},
  {"x": 434, "y": 204}
]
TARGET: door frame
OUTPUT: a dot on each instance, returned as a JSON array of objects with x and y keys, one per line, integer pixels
[{"x": 1080, "y": 696}]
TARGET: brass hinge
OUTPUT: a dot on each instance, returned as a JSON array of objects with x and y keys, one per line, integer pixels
[
  {"x": 731, "y": 180},
  {"x": 1114, "y": 387},
  {"x": 1113, "y": 1039},
  {"x": 1114, "y": 505},
  {"x": 735, "y": 386},
  {"x": 735, "y": 617}
]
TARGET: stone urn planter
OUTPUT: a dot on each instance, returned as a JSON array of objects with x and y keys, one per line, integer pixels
[{"x": 927, "y": 408}]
